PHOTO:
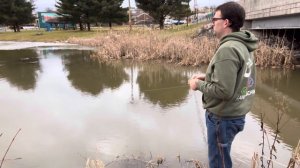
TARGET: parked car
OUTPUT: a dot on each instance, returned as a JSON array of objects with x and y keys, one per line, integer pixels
[
  {"x": 178, "y": 22},
  {"x": 168, "y": 22}
]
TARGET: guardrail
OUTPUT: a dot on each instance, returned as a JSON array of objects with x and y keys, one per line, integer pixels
[{"x": 285, "y": 9}]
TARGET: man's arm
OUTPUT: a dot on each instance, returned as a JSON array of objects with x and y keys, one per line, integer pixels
[{"x": 223, "y": 80}]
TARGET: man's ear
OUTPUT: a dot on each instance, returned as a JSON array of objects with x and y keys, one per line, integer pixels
[{"x": 228, "y": 22}]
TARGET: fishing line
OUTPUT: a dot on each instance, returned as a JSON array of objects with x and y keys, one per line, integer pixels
[
  {"x": 200, "y": 119},
  {"x": 196, "y": 102}
]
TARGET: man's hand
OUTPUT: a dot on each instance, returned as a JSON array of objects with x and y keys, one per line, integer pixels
[
  {"x": 199, "y": 76},
  {"x": 193, "y": 83},
  {"x": 194, "y": 80}
]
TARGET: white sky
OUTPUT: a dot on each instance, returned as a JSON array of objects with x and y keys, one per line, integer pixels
[{"x": 41, "y": 5}]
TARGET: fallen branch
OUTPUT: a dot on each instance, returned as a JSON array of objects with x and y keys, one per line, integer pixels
[{"x": 9, "y": 147}]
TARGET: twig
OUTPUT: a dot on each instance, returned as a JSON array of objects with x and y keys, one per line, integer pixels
[
  {"x": 9, "y": 147},
  {"x": 295, "y": 159},
  {"x": 126, "y": 159},
  {"x": 150, "y": 155},
  {"x": 197, "y": 163},
  {"x": 263, "y": 138},
  {"x": 254, "y": 160},
  {"x": 281, "y": 109}
]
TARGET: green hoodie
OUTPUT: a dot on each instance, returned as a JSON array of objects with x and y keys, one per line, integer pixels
[{"x": 229, "y": 86}]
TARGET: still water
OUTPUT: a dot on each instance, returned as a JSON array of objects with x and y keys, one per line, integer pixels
[{"x": 71, "y": 107}]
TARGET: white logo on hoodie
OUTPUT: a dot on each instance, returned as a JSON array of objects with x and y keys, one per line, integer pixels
[{"x": 249, "y": 65}]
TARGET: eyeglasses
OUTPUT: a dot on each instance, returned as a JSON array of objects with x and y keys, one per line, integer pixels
[{"x": 215, "y": 19}]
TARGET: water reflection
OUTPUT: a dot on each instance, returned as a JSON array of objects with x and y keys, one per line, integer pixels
[
  {"x": 285, "y": 81},
  {"x": 20, "y": 68},
  {"x": 90, "y": 76},
  {"x": 163, "y": 85},
  {"x": 60, "y": 125},
  {"x": 283, "y": 84}
]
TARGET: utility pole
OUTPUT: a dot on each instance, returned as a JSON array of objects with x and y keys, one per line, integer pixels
[
  {"x": 196, "y": 10},
  {"x": 129, "y": 15},
  {"x": 187, "y": 17}
]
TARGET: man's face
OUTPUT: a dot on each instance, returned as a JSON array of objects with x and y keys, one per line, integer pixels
[{"x": 219, "y": 24}]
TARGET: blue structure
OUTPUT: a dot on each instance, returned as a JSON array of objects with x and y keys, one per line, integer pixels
[{"x": 50, "y": 20}]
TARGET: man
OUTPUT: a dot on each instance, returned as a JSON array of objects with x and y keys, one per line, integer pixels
[{"x": 228, "y": 86}]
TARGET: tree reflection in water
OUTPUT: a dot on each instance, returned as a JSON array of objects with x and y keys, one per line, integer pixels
[
  {"x": 283, "y": 83},
  {"x": 90, "y": 76},
  {"x": 163, "y": 84},
  {"x": 20, "y": 68}
]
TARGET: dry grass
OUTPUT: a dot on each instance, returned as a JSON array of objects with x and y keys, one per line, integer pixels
[
  {"x": 90, "y": 163},
  {"x": 151, "y": 46},
  {"x": 133, "y": 161},
  {"x": 275, "y": 56},
  {"x": 295, "y": 160},
  {"x": 183, "y": 50}
]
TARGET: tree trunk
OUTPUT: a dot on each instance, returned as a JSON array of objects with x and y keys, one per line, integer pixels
[
  {"x": 187, "y": 21},
  {"x": 110, "y": 25},
  {"x": 81, "y": 26},
  {"x": 15, "y": 28},
  {"x": 89, "y": 26},
  {"x": 74, "y": 26},
  {"x": 161, "y": 23},
  {"x": 18, "y": 27}
]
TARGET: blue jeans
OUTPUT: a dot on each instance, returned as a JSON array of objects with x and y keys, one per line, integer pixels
[{"x": 220, "y": 134}]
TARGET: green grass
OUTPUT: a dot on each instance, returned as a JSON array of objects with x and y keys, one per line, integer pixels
[
  {"x": 43, "y": 36},
  {"x": 63, "y": 35}
]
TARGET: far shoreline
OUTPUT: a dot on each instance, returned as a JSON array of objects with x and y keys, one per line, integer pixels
[{"x": 18, "y": 45}]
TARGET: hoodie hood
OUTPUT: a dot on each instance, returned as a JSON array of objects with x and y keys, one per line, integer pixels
[{"x": 245, "y": 37}]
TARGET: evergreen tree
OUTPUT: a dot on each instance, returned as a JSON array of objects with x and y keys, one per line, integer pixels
[
  {"x": 78, "y": 11},
  {"x": 112, "y": 12},
  {"x": 158, "y": 9},
  {"x": 14, "y": 13},
  {"x": 89, "y": 11},
  {"x": 69, "y": 10}
]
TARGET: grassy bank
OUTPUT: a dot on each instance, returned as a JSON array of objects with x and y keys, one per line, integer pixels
[
  {"x": 63, "y": 35},
  {"x": 43, "y": 36}
]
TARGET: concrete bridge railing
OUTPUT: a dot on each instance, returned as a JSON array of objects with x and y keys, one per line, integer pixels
[{"x": 256, "y": 9}]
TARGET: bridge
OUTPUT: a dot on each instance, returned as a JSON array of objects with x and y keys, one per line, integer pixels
[
  {"x": 272, "y": 14},
  {"x": 277, "y": 17}
]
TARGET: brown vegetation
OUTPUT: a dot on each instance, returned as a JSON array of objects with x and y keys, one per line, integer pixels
[
  {"x": 152, "y": 46},
  {"x": 182, "y": 50},
  {"x": 274, "y": 55}
]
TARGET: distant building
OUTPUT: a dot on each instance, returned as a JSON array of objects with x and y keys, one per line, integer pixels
[
  {"x": 51, "y": 20},
  {"x": 141, "y": 17}
]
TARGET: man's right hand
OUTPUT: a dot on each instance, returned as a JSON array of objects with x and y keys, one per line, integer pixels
[
  {"x": 199, "y": 76},
  {"x": 193, "y": 83}
]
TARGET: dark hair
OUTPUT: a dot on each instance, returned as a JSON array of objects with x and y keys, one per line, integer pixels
[{"x": 234, "y": 12}]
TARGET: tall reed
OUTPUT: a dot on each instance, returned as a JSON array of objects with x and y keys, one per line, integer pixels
[
  {"x": 274, "y": 54},
  {"x": 183, "y": 50},
  {"x": 152, "y": 46}
]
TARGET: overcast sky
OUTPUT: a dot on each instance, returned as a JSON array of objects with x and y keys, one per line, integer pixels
[{"x": 41, "y": 5}]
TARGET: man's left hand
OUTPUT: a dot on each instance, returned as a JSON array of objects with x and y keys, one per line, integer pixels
[{"x": 193, "y": 83}]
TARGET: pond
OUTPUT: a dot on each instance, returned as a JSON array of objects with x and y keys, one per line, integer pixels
[{"x": 71, "y": 107}]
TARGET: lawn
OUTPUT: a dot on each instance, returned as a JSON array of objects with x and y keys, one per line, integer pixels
[
  {"x": 43, "y": 36},
  {"x": 64, "y": 35}
]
